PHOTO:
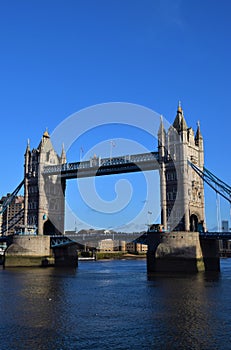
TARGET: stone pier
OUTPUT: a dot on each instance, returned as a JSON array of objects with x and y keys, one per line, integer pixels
[
  {"x": 181, "y": 252},
  {"x": 30, "y": 250},
  {"x": 66, "y": 256}
]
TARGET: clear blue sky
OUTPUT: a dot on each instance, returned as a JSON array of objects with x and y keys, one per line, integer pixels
[{"x": 57, "y": 57}]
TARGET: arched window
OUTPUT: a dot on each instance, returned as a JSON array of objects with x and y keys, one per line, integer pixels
[{"x": 193, "y": 223}]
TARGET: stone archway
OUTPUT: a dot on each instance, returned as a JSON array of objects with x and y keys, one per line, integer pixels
[
  {"x": 194, "y": 223},
  {"x": 49, "y": 229}
]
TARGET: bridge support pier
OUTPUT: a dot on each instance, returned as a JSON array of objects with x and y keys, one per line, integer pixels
[
  {"x": 28, "y": 250},
  {"x": 66, "y": 256},
  {"x": 35, "y": 251},
  {"x": 210, "y": 251},
  {"x": 181, "y": 252}
]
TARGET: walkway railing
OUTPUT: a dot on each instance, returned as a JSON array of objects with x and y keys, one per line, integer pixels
[{"x": 101, "y": 166}]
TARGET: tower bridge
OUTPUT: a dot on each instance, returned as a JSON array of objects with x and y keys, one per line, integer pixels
[
  {"x": 181, "y": 188},
  {"x": 179, "y": 160}
]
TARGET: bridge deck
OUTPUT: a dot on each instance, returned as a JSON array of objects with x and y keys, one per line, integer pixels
[
  {"x": 105, "y": 166},
  {"x": 215, "y": 235}
]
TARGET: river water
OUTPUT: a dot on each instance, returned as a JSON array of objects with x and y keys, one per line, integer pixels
[{"x": 114, "y": 305}]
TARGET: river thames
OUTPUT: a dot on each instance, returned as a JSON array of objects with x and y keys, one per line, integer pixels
[{"x": 114, "y": 305}]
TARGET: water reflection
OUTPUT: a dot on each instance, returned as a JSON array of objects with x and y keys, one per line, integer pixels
[
  {"x": 184, "y": 311},
  {"x": 33, "y": 306},
  {"x": 113, "y": 305}
]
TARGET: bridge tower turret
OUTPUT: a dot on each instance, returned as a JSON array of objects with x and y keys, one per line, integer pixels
[
  {"x": 44, "y": 197},
  {"x": 184, "y": 205},
  {"x": 162, "y": 159},
  {"x": 27, "y": 157}
]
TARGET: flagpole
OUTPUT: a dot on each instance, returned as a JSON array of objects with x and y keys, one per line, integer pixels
[
  {"x": 112, "y": 144},
  {"x": 110, "y": 149},
  {"x": 80, "y": 153}
]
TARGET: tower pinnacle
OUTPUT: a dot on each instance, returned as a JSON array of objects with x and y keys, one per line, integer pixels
[
  {"x": 161, "y": 127},
  {"x": 198, "y": 137},
  {"x": 179, "y": 108},
  {"x": 46, "y": 134},
  {"x": 179, "y": 123},
  {"x": 63, "y": 155}
]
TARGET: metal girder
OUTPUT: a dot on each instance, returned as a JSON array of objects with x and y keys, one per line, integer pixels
[{"x": 60, "y": 241}]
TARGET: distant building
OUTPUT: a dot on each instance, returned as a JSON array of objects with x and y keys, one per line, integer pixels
[
  {"x": 106, "y": 245},
  {"x": 133, "y": 247},
  {"x": 225, "y": 244},
  {"x": 0, "y": 219},
  {"x": 12, "y": 216}
]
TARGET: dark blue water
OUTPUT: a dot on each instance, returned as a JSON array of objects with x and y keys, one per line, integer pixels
[{"x": 113, "y": 305}]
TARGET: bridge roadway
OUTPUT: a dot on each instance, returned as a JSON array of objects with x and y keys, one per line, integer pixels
[
  {"x": 94, "y": 238},
  {"x": 128, "y": 237},
  {"x": 216, "y": 235},
  {"x": 97, "y": 166},
  {"x": 116, "y": 235},
  {"x": 63, "y": 240}
]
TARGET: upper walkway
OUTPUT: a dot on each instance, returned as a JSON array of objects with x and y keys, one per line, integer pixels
[{"x": 97, "y": 166}]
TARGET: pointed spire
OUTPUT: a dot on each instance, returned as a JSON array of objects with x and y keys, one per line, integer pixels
[
  {"x": 45, "y": 141},
  {"x": 46, "y": 134},
  {"x": 179, "y": 109},
  {"x": 63, "y": 155},
  {"x": 179, "y": 123},
  {"x": 161, "y": 139},
  {"x": 198, "y": 136},
  {"x": 161, "y": 127},
  {"x": 28, "y": 145}
]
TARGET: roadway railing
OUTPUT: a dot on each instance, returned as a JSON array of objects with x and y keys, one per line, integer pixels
[{"x": 101, "y": 164}]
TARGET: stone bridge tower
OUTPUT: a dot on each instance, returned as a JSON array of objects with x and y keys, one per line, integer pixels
[
  {"x": 182, "y": 190},
  {"x": 44, "y": 196}
]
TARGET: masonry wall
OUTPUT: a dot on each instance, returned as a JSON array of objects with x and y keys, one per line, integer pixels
[{"x": 28, "y": 251}]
